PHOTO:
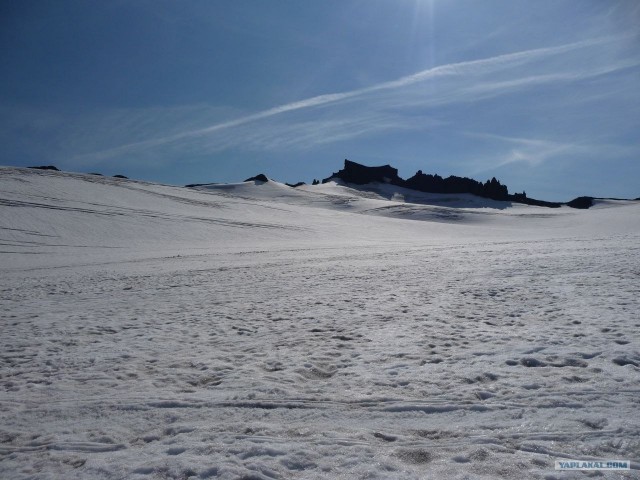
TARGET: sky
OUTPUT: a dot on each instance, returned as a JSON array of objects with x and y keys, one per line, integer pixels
[{"x": 543, "y": 95}]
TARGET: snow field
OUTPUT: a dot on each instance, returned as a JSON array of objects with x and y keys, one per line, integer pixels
[{"x": 194, "y": 342}]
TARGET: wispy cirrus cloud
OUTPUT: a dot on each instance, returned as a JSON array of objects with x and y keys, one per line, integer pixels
[
  {"x": 382, "y": 107},
  {"x": 532, "y": 151},
  {"x": 536, "y": 151}
]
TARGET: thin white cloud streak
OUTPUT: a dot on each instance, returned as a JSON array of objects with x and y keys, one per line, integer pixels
[
  {"x": 523, "y": 150},
  {"x": 461, "y": 69},
  {"x": 389, "y": 112},
  {"x": 309, "y": 134},
  {"x": 482, "y": 90},
  {"x": 536, "y": 80},
  {"x": 534, "y": 151}
]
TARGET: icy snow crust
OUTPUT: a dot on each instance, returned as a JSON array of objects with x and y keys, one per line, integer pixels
[{"x": 257, "y": 331}]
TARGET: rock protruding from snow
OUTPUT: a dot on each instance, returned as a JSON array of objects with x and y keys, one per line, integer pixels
[
  {"x": 581, "y": 202},
  {"x": 436, "y": 184},
  {"x": 261, "y": 177},
  {"x": 361, "y": 175},
  {"x": 357, "y": 174},
  {"x": 46, "y": 167}
]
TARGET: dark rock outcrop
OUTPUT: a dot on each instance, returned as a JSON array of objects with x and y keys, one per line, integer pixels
[
  {"x": 534, "y": 202},
  {"x": 295, "y": 185},
  {"x": 261, "y": 177},
  {"x": 192, "y": 185},
  {"x": 581, "y": 202},
  {"x": 522, "y": 198},
  {"x": 452, "y": 184},
  {"x": 120, "y": 176},
  {"x": 46, "y": 167},
  {"x": 360, "y": 174}
]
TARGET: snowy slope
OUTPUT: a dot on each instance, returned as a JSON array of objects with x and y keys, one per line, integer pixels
[{"x": 254, "y": 330}]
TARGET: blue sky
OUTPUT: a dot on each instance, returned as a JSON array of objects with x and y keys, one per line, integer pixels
[{"x": 544, "y": 95}]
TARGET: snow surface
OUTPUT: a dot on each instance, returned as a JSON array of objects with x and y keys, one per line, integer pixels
[{"x": 259, "y": 331}]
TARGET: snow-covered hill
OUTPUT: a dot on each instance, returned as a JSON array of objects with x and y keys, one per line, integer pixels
[{"x": 259, "y": 331}]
